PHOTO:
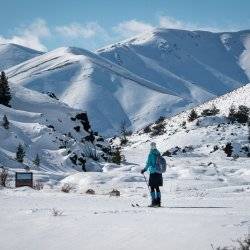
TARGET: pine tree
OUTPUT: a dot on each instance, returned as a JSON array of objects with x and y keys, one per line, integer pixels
[
  {"x": 192, "y": 116},
  {"x": 6, "y": 123},
  {"x": 5, "y": 95},
  {"x": 37, "y": 161},
  {"x": 116, "y": 156},
  {"x": 228, "y": 149},
  {"x": 20, "y": 153},
  {"x": 232, "y": 113}
]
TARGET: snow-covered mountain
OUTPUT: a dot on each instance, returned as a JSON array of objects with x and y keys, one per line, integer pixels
[
  {"x": 179, "y": 59},
  {"x": 108, "y": 92},
  {"x": 156, "y": 74},
  {"x": 13, "y": 54},
  {"x": 60, "y": 135}
]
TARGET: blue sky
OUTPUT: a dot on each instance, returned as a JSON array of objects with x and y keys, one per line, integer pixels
[{"x": 48, "y": 24}]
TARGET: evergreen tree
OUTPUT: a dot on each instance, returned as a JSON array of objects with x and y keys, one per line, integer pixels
[
  {"x": 5, "y": 95},
  {"x": 232, "y": 113},
  {"x": 20, "y": 153},
  {"x": 37, "y": 161},
  {"x": 192, "y": 116},
  {"x": 6, "y": 123},
  {"x": 243, "y": 114},
  {"x": 228, "y": 149},
  {"x": 116, "y": 156}
]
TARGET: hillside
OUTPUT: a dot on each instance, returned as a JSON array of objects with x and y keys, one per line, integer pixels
[
  {"x": 13, "y": 54},
  {"x": 60, "y": 135},
  {"x": 206, "y": 136},
  {"x": 108, "y": 92}
]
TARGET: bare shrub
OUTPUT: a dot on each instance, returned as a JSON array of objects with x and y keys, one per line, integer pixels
[
  {"x": 66, "y": 188},
  {"x": 56, "y": 212},
  {"x": 91, "y": 152},
  {"x": 38, "y": 185},
  {"x": 3, "y": 176}
]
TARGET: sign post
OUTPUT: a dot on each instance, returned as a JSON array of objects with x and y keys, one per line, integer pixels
[{"x": 24, "y": 179}]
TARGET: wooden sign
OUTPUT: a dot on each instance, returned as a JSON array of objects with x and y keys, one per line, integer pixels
[{"x": 24, "y": 179}]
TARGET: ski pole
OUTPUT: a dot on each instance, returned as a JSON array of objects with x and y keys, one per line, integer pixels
[{"x": 146, "y": 182}]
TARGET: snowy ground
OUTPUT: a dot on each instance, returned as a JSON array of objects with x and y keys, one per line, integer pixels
[{"x": 201, "y": 207}]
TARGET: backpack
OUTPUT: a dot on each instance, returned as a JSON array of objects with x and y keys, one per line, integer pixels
[{"x": 161, "y": 164}]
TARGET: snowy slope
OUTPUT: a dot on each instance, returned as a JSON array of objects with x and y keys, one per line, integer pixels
[
  {"x": 108, "y": 92},
  {"x": 178, "y": 59},
  {"x": 198, "y": 138},
  {"x": 46, "y": 127},
  {"x": 13, "y": 54}
]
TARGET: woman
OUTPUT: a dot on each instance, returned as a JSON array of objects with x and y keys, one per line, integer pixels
[{"x": 155, "y": 179}]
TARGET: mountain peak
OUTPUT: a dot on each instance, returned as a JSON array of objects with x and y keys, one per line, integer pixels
[{"x": 12, "y": 54}]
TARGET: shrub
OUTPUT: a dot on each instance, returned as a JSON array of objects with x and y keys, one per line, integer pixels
[
  {"x": 158, "y": 129},
  {"x": 124, "y": 132},
  {"x": 147, "y": 129},
  {"x": 210, "y": 112},
  {"x": 167, "y": 153},
  {"x": 3, "y": 176},
  {"x": 115, "y": 192},
  {"x": 160, "y": 120},
  {"x": 56, "y": 212},
  {"x": 184, "y": 124},
  {"x": 192, "y": 115},
  {"x": 241, "y": 115},
  {"x": 66, "y": 188},
  {"x": 91, "y": 152},
  {"x": 90, "y": 191},
  {"x": 38, "y": 185}
]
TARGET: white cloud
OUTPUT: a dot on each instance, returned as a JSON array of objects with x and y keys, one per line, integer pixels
[
  {"x": 77, "y": 30},
  {"x": 132, "y": 27},
  {"x": 172, "y": 23},
  {"x": 30, "y": 36}
]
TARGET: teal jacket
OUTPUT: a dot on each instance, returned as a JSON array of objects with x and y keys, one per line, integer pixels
[{"x": 151, "y": 162}]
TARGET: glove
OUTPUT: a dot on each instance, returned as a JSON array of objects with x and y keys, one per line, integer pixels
[{"x": 142, "y": 171}]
